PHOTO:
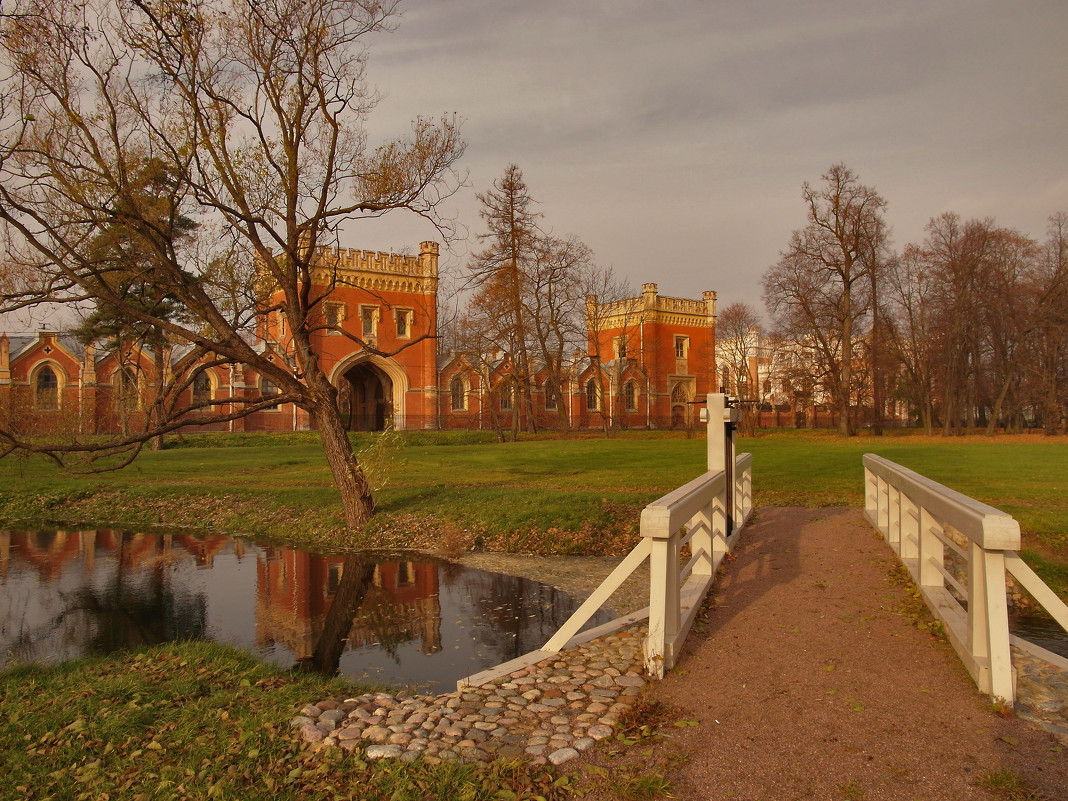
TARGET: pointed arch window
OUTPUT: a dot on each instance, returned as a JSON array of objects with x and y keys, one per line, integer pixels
[
  {"x": 46, "y": 390},
  {"x": 202, "y": 389},
  {"x": 679, "y": 395},
  {"x": 630, "y": 399},
  {"x": 269, "y": 389},
  {"x": 505, "y": 394},
  {"x": 127, "y": 387},
  {"x": 551, "y": 396},
  {"x": 459, "y": 394},
  {"x": 593, "y": 396}
]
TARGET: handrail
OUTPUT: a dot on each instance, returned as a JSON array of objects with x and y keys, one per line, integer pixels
[
  {"x": 913, "y": 513},
  {"x": 697, "y": 512},
  {"x": 694, "y": 514},
  {"x": 704, "y": 514}
]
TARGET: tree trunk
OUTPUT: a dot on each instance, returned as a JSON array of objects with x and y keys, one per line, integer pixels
[
  {"x": 158, "y": 411},
  {"x": 356, "y": 499}
]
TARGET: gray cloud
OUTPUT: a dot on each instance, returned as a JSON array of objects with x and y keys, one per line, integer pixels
[{"x": 674, "y": 137}]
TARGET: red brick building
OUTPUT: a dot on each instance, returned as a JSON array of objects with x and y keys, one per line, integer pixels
[{"x": 646, "y": 359}]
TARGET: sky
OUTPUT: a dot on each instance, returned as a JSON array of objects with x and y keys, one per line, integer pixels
[{"x": 674, "y": 137}]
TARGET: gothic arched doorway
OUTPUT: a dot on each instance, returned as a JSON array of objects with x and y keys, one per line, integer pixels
[
  {"x": 680, "y": 399},
  {"x": 366, "y": 398}
]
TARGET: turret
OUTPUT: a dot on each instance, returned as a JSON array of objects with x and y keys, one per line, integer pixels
[
  {"x": 649, "y": 292},
  {"x": 709, "y": 298},
  {"x": 428, "y": 258},
  {"x": 5, "y": 359}
]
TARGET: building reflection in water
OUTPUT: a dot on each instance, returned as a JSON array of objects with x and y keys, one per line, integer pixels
[
  {"x": 408, "y": 620},
  {"x": 317, "y": 606}
]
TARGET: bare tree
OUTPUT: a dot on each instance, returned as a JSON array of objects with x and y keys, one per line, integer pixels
[
  {"x": 502, "y": 271},
  {"x": 739, "y": 332},
  {"x": 555, "y": 308},
  {"x": 1051, "y": 356},
  {"x": 257, "y": 111},
  {"x": 609, "y": 307},
  {"x": 820, "y": 289},
  {"x": 910, "y": 329}
]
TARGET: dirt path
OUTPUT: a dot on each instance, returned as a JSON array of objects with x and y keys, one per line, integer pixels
[{"x": 811, "y": 680}]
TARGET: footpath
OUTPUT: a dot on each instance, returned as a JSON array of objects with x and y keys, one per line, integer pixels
[{"x": 812, "y": 678}]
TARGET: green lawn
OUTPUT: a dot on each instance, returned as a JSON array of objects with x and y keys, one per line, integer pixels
[
  {"x": 540, "y": 496},
  {"x": 202, "y": 721}
]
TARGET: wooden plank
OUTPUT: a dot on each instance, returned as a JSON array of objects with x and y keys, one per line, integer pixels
[{"x": 612, "y": 583}]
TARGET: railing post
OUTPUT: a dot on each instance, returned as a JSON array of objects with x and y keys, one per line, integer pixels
[
  {"x": 884, "y": 505},
  {"x": 932, "y": 553},
  {"x": 747, "y": 490},
  {"x": 663, "y": 591},
  {"x": 910, "y": 530},
  {"x": 893, "y": 512},
  {"x": 721, "y": 453},
  {"x": 870, "y": 494},
  {"x": 988, "y": 627}
]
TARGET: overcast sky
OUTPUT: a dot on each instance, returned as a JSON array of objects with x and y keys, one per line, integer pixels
[{"x": 673, "y": 137}]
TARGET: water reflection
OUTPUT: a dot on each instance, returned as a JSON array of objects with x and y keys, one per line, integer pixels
[
  {"x": 402, "y": 619},
  {"x": 1044, "y": 632}
]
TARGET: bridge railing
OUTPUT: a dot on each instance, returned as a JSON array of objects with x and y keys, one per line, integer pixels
[
  {"x": 706, "y": 515},
  {"x": 694, "y": 515},
  {"x": 931, "y": 527}
]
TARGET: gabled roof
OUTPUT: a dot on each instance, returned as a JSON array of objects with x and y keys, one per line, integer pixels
[{"x": 19, "y": 343}]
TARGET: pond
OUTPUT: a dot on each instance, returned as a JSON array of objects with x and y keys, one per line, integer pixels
[
  {"x": 401, "y": 619},
  {"x": 1044, "y": 632}
]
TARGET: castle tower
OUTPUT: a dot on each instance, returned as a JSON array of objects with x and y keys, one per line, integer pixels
[{"x": 671, "y": 341}]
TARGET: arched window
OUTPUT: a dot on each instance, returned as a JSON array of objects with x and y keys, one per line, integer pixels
[
  {"x": 202, "y": 389},
  {"x": 127, "y": 390},
  {"x": 459, "y": 395},
  {"x": 551, "y": 395},
  {"x": 46, "y": 390},
  {"x": 505, "y": 395},
  {"x": 267, "y": 387},
  {"x": 630, "y": 400},
  {"x": 678, "y": 394},
  {"x": 593, "y": 396}
]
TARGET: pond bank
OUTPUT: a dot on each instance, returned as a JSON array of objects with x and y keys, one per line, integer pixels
[{"x": 547, "y": 712}]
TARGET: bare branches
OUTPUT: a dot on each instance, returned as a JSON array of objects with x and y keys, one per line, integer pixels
[
  {"x": 255, "y": 114},
  {"x": 820, "y": 290}
]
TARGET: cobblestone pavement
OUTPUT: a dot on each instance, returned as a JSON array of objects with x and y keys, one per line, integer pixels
[
  {"x": 547, "y": 712},
  {"x": 1042, "y": 691}
]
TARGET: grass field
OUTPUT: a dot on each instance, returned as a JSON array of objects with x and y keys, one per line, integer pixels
[
  {"x": 202, "y": 721},
  {"x": 540, "y": 496}
]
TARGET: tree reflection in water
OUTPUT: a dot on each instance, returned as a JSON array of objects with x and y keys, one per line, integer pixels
[
  {"x": 356, "y": 577},
  {"x": 401, "y": 618}
]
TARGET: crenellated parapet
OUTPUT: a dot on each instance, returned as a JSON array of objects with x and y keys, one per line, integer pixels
[
  {"x": 652, "y": 306},
  {"x": 378, "y": 272}
]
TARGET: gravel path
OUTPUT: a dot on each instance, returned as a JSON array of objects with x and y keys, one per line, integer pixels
[{"x": 810, "y": 680}]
